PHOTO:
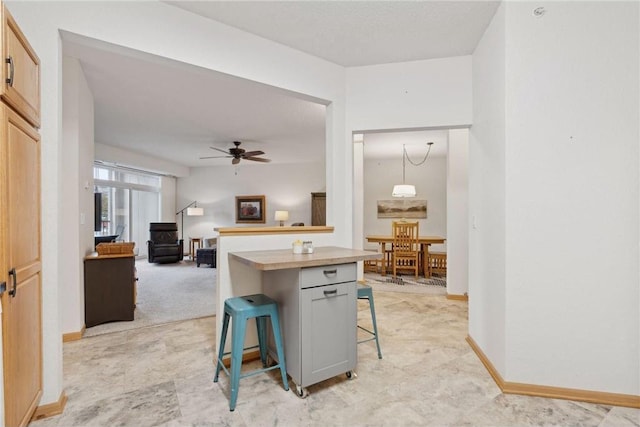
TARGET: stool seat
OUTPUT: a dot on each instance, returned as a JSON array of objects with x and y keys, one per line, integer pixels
[
  {"x": 240, "y": 309},
  {"x": 366, "y": 292},
  {"x": 256, "y": 305}
]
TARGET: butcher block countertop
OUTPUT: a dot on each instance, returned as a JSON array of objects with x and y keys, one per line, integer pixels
[{"x": 279, "y": 259}]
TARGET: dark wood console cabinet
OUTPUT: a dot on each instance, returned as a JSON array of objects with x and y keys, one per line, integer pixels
[{"x": 109, "y": 288}]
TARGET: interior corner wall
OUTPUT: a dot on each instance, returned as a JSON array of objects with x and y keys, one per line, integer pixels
[
  {"x": 572, "y": 188},
  {"x": 76, "y": 191},
  {"x": 487, "y": 204},
  {"x": 458, "y": 212}
]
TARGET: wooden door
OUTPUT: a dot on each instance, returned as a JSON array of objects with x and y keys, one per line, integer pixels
[
  {"x": 20, "y": 71},
  {"x": 21, "y": 266},
  {"x": 318, "y": 208}
]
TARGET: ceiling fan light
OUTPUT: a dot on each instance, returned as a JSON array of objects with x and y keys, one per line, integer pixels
[{"x": 404, "y": 190}]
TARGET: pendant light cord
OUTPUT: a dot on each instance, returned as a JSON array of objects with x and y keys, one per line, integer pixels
[
  {"x": 414, "y": 164},
  {"x": 404, "y": 154}
]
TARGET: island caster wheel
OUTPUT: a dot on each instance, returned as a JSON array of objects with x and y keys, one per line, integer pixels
[
  {"x": 351, "y": 375},
  {"x": 301, "y": 392}
]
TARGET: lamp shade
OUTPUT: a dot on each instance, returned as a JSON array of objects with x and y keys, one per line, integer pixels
[
  {"x": 282, "y": 215},
  {"x": 404, "y": 190},
  {"x": 195, "y": 211}
]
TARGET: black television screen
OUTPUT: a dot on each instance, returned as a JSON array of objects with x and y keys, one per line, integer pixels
[{"x": 97, "y": 213}]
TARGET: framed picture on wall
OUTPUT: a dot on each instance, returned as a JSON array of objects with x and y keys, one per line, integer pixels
[
  {"x": 402, "y": 208},
  {"x": 250, "y": 209}
]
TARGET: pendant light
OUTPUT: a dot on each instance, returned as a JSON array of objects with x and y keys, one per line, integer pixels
[{"x": 408, "y": 190}]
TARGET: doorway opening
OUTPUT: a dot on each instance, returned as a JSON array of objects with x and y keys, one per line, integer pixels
[{"x": 441, "y": 183}]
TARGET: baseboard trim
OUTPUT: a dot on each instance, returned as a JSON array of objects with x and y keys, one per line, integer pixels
[
  {"x": 486, "y": 362},
  {"x": 600, "y": 397},
  {"x": 457, "y": 297},
  {"x": 73, "y": 336},
  {"x": 51, "y": 409},
  {"x": 249, "y": 356}
]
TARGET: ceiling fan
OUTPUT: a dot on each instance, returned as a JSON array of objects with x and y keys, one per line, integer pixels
[{"x": 238, "y": 154}]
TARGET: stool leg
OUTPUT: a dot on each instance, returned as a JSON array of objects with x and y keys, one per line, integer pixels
[
  {"x": 261, "y": 324},
  {"x": 223, "y": 340},
  {"x": 238, "y": 328},
  {"x": 375, "y": 325},
  {"x": 275, "y": 325}
]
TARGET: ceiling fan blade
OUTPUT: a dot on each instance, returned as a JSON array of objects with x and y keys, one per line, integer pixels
[
  {"x": 235, "y": 161},
  {"x": 252, "y": 153},
  {"x": 220, "y": 150},
  {"x": 258, "y": 159},
  {"x": 216, "y": 157}
]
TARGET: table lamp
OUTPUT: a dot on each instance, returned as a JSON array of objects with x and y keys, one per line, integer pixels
[{"x": 282, "y": 216}]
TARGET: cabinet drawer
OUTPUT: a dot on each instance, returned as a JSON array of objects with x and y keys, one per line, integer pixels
[{"x": 327, "y": 275}]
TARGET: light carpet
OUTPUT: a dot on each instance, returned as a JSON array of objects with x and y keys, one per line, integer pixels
[
  {"x": 168, "y": 293},
  {"x": 407, "y": 284}
]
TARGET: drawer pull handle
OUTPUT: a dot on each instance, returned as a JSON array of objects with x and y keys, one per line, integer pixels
[
  {"x": 330, "y": 272},
  {"x": 329, "y": 293}
]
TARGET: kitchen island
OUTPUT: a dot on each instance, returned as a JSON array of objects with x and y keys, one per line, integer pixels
[{"x": 317, "y": 299}]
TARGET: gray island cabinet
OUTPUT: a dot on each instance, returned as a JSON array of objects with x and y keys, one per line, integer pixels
[{"x": 317, "y": 303}]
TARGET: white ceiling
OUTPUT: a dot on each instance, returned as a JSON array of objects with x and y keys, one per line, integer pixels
[
  {"x": 354, "y": 33},
  {"x": 176, "y": 112}
]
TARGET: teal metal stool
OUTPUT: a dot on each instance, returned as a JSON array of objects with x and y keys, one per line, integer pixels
[
  {"x": 240, "y": 309},
  {"x": 365, "y": 292}
]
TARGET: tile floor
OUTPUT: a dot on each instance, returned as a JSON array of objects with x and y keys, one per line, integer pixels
[{"x": 162, "y": 376}]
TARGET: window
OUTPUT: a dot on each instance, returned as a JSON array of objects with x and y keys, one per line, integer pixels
[{"x": 130, "y": 200}]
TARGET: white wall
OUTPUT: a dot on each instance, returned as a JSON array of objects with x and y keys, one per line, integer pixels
[
  {"x": 554, "y": 156},
  {"x": 430, "y": 180},
  {"x": 458, "y": 212},
  {"x": 168, "y": 199},
  {"x": 285, "y": 187},
  {"x": 192, "y": 40},
  {"x": 572, "y": 125},
  {"x": 487, "y": 296},
  {"x": 407, "y": 95},
  {"x": 76, "y": 191}
]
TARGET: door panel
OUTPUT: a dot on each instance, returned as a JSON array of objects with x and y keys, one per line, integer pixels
[
  {"x": 23, "y": 93},
  {"x": 329, "y": 331},
  {"x": 24, "y": 230},
  {"x": 21, "y": 315},
  {"x": 21, "y": 327}
]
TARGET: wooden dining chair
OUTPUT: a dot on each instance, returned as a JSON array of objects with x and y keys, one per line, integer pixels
[{"x": 406, "y": 250}]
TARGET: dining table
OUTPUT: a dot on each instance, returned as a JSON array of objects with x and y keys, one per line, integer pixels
[{"x": 423, "y": 241}]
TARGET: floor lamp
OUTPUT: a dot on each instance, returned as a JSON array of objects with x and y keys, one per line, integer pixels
[{"x": 191, "y": 211}]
